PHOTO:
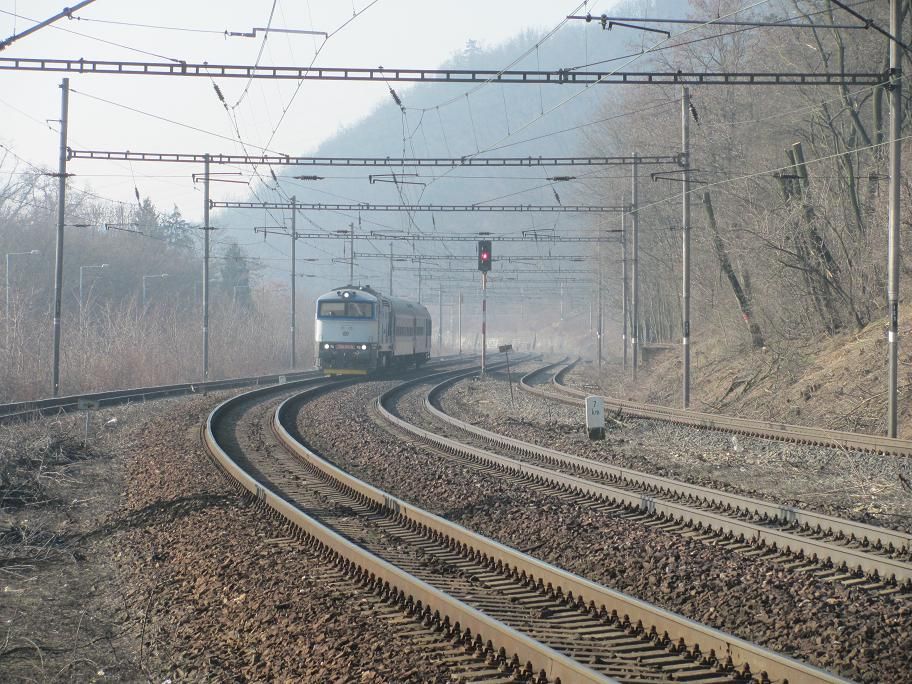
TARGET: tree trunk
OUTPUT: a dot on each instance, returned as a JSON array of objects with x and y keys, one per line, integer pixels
[{"x": 725, "y": 263}]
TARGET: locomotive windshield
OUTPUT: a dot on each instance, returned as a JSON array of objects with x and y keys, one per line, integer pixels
[{"x": 343, "y": 309}]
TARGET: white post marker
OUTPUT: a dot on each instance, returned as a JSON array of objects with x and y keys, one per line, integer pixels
[
  {"x": 595, "y": 417},
  {"x": 506, "y": 349},
  {"x": 87, "y": 405}
]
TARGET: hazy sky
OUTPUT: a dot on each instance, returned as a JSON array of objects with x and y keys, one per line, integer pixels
[{"x": 405, "y": 33}]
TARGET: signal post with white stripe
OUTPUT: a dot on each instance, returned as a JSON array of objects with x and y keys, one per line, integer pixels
[{"x": 484, "y": 265}]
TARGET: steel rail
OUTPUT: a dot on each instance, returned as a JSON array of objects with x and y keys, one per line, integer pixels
[
  {"x": 742, "y": 653},
  {"x": 655, "y": 503},
  {"x": 798, "y": 434},
  {"x": 25, "y": 410},
  {"x": 867, "y": 535},
  {"x": 660, "y": 501},
  {"x": 679, "y": 512},
  {"x": 752, "y": 427},
  {"x": 34, "y": 408},
  {"x": 382, "y": 574}
]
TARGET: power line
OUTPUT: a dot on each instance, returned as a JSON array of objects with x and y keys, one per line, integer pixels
[
  {"x": 606, "y": 20},
  {"x": 99, "y": 40},
  {"x": 770, "y": 172},
  {"x": 527, "y": 271},
  {"x": 165, "y": 119},
  {"x": 473, "y": 256},
  {"x": 636, "y": 112},
  {"x": 468, "y": 237},
  {"x": 488, "y": 81},
  {"x": 701, "y": 39},
  {"x": 294, "y": 95},
  {"x": 67, "y": 12},
  {"x": 149, "y": 26},
  {"x": 440, "y": 208},
  {"x": 258, "y": 57}
]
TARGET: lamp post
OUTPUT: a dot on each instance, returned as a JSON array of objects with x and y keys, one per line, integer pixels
[
  {"x": 144, "y": 279},
  {"x": 33, "y": 252},
  {"x": 82, "y": 270}
]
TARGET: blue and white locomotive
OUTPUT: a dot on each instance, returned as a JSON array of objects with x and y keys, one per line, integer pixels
[{"x": 359, "y": 330}]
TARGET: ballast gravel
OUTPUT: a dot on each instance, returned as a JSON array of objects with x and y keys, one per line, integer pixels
[
  {"x": 850, "y": 632},
  {"x": 867, "y": 488},
  {"x": 220, "y": 590}
]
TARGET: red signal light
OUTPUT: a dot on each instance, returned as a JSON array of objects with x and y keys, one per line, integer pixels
[{"x": 484, "y": 255}]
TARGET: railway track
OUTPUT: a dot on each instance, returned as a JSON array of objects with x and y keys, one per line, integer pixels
[
  {"x": 29, "y": 410},
  {"x": 873, "y": 558},
  {"x": 347, "y": 529},
  {"x": 515, "y": 615},
  {"x": 798, "y": 434},
  {"x": 520, "y": 475}
]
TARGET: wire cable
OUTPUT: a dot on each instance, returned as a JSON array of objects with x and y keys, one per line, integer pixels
[
  {"x": 95, "y": 38},
  {"x": 258, "y": 57},
  {"x": 768, "y": 172}
]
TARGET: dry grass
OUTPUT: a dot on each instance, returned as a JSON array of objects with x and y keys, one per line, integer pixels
[
  {"x": 121, "y": 346},
  {"x": 837, "y": 382}
]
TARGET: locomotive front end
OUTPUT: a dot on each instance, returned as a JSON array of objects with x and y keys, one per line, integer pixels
[{"x": 347, "y": 332}]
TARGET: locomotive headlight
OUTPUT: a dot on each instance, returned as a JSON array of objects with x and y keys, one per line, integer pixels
[
  {"x": 326, "y": 346},
  {"x": 364, "y": 347}
]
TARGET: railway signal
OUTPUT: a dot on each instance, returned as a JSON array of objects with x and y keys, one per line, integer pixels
[
  {"x": 484, "y": 255},
  {"x": 484, "y": 265}
]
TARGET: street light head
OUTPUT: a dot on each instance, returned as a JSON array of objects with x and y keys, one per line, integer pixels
[
  {"x": 104, "y": 266},
  {"x": 164, "y": 275},
  {"x": 34, "y": 251}
]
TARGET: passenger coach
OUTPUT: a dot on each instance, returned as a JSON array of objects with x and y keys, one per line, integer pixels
[{"x": 359, "y": 330}]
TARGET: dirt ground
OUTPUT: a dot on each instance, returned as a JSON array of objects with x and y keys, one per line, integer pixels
[
  {"x": 134, "y": 559},
  {"x": 837, "y": 382},
  {"x": 62, "y": 618}
]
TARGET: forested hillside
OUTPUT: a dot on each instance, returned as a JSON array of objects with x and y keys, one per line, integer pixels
[{"x": 788, "y": 222}]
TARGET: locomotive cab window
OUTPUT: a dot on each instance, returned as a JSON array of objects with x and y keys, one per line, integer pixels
[
  {"x": 340, "y": 309},
  {"x": 359, "y": 310}
]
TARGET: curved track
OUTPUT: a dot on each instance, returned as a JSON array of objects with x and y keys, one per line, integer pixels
[
  {"x": 501, "y": 613},
  {"x": 28, "y": 410},
  {"x": 797, "y": 434},
  {"x": 375, "y": 544},
  {"x": 756, "y": 657},
  {"x": 875, "y": 558}
]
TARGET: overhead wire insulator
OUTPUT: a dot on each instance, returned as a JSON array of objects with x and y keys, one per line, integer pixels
[{"x": 396, "y": 98}]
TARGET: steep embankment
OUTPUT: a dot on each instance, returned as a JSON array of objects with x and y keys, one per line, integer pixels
[{"x": 837, "y": 382}]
